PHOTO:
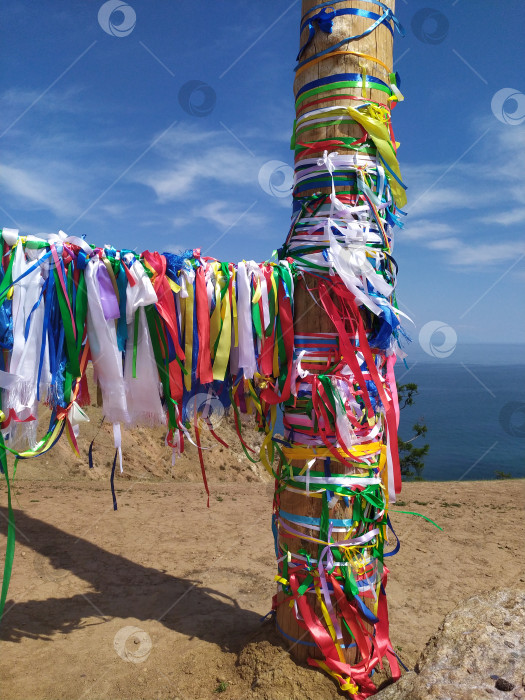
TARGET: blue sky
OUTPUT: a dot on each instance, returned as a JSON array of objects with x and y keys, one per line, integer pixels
[{"x": 166, "y": 136}]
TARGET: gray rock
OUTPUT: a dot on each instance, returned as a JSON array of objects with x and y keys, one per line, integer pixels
[{"x": 481, "y": 640}]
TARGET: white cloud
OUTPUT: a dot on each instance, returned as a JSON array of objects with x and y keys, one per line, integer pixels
[
  {"x": 431, "y": 200},
  {"x": 178, "y": 221},
  {"x": 505, "y": 217},
  {"x": 517, "y": 192},
  {"x": 423, "y": 229},
  {"x": 37, "y": 190},
  {"x": 469, "y": 212},
  {"x": 202, "y": 161},
  {"x": 222, "y": 214},
  {"x": 18, "y": 99},
  {"x": 192, "y": 172},
  {"x": 114, "y": 209},
  {"x": 487, "y": 254},
  {"x": 183, "y": 135},
  {"x": 445, "y": 244},
  {"x": 196, "y": 161},
  {"x": 461, "y": 254}
]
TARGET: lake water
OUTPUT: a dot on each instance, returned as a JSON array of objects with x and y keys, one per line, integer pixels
[{"x": 475, "y": 415}]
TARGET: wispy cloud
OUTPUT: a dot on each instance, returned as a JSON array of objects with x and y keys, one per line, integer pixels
[
  {"x": 65, "y": 101},
  {"x": 468, "y": 217},
  {"x": 220, "y": 165},
  {"x": 424, "y": 229},
  {"x": 29, "y": 189},
  {"x": 223, "y": 215},
  {"x": 445, "y": 244},
  {"x": 461, "y": 254},
  {"x": 442, "y": 199},
  {"x": 197, "y": 159},
  {"x": 193, "y": 161},
  {"x": 506, "y": 217}
]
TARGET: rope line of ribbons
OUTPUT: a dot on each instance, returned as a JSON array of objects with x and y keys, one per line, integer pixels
[{"x": 159, "y": 329}]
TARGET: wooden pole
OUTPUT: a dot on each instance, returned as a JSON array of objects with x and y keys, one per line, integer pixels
[{"x": 309, "y": 315}]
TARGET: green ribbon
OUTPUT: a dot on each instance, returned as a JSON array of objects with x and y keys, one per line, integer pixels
[
  {"x": 135, "y": 343},
  {"x": 343, "y": 84},
  {"x": 7, "y": 280},
  {"x": 419, "y": 515},
  {"x": 160, "y": 351},
  {"x": 238, "y": 423},
  {"x": 10, "y": 546}
]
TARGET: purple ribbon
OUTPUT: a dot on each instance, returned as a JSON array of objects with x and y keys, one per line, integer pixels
[{"x": 108, "y": 297}]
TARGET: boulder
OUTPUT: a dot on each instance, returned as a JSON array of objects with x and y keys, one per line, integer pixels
[{"x": 477, "y": 653}]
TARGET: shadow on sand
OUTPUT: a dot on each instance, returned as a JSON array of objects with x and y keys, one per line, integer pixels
[{"x": 120, "y": 588}]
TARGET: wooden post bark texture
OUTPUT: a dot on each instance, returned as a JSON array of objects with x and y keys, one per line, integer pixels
[{"x": 309, "y": 315}]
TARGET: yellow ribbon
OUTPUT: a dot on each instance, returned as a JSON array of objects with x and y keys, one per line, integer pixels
[
  {"x": 257, "y": 292},
  {"x": 222, "y": 354},
  {"x": 174, "y": 286},
  {"x": 347, "y": 684},
  {"x": 265, "y": 447},
  {"x": 43, "y": 446},
  {"x": 234, "y": 310},
  {"x": 328, "y": 619},
  {"x": 342, "y": 53},
  {"x": 373, "y": 119},
  {"x": 302, "y": 452}
]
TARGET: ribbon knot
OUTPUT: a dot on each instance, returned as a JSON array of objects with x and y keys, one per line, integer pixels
[
  {"x": 324, "y": 19},
  {"x": 327, "y": 161}
]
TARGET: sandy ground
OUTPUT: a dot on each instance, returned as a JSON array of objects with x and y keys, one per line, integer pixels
[{"x": 163, "y": 598}]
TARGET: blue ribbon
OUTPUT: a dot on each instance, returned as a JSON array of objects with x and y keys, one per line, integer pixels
[
  {"x": 368, "y": 614},
  {"x": 338, "y": 78},
  {"x": 398, "y": 543},
  {"x": 307, "y": 644},
  {"x": 326, "y": 20},
  {"x": 122, "y": 326},
  {"x": 35, "y": 307},
  {"x": 328, "y": 474},
  {"x": 305, "y": 520},
  {"x": 112, "y": 480}
]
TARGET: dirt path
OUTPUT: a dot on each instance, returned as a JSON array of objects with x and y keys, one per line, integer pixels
[{"x": 196, "y": 581}]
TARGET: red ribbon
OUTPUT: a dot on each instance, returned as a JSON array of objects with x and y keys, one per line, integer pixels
[
  {"x": 204, "y": 368},
  {"x": 372, "y": 648},
  {"x": 166, "y": 308},
  {"x": 350, "y": 312},
  {"x": 201, "y": 459}
]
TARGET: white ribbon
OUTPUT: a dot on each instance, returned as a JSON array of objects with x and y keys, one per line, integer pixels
[
  {"x": 106, "y": 357},
  {"x": 117, "y": 441},
  {"x": 297, "y": 371},
  {"x": 309, "y": 465},
  {"x": 142, "y": 390},
  {"x": 247, "y": 361},
  {"x": 25, "y": 356}
]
